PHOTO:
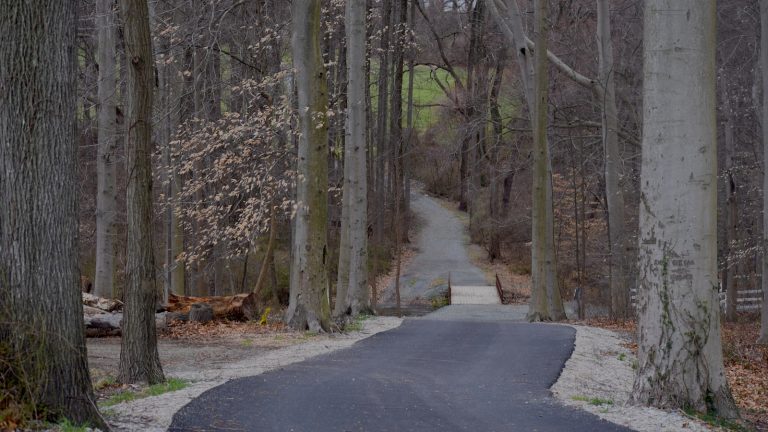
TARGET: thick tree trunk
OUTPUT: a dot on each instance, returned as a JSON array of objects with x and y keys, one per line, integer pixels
[
  {"x": 614, "y": 196},
  {"x": 309, "y": 304},
  {"x": 139, "y": 360},
  {"x": 545, "y": 294},
  {"x": 763, "y": 338},
  {"x": 358, "y": 295},
  {"x": 680, "y": 353},
  {"x": 106, "y": 172},
  {"x": 40, "y": 307},
  {"x": 545, "y": 303}
]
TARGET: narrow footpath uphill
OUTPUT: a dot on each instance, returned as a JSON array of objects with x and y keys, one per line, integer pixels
[
  {"x": 441, "y": 252},
  {"x": 462, "y": 368}
]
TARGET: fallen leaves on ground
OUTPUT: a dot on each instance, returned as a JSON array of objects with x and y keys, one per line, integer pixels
[
  {"x": 746, "y": 365},
  {"x": 178, "y": 330}
]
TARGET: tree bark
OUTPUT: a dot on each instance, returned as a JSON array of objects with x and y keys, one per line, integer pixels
[
  {"x": 763, "y": 338},
  {"x": 497, "y": 177},
  {"x": 382, "y": 128},
  {"x": 309, "y": 304},
  {"x": 679, "y": 349},
  {"x": 358, "y": 295},
  {"x": 729, "y": 269},
  {"x": 41, "y": 313},
  {"x": 544, "y": 290},
  {"x": 614, "y": 196},
  {"x": 106, "y": 168},
  {"x": 139, "y": 359},
  {"x": 545, "y": 302}
]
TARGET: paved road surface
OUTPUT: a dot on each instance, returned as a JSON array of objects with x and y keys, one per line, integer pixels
[
  {"x": 427, "y": 375},
  {"x": 441, "y": 249},
  {"x": 475, "y": 368}
]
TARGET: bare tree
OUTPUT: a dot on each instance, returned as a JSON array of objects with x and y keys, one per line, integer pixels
[
  {"x": 106, "y": 167},
  {"x": 680, "y": 353},
  {"x": 354, "y": 297},
  {"x": 309, "y": 304},
  {"x": 139, "y": 359},
  {"x": 40, "y": 307},
  {"x": 545, "y": 303},
  {"x": 613, "y": 194}
]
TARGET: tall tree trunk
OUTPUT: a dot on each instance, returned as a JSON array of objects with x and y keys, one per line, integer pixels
[
  {"x": 544, "y": 279},
  {"x": 309, "y": 306},
  {"x": 763, "y": 338},
  {"x": 409, "y": 142},
  {"x": 163, "y": 137},
  {"x": 139, "y": 360},
  {"x": 729, "y": 269},
  {"x": 545, "y": 303},
  {"x": 679, "y": 348},
  {"x": 106, "y": 169},
  {"x": 358, "y": 296},
  {"x": 396, "y": 105},
  {"x": 40, "y": 308},
  {"x": 497, "y": 177},
  {"x": 382, "y": 125},
  {"x": 619, "y": 284}
]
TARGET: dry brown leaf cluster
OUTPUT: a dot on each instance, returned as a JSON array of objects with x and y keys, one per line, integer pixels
[{"x": 187, "y": 331}]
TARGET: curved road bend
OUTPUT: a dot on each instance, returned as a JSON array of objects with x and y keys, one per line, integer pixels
[
  {"x": 426, "y": 375},
  {"x": 462, "y": 368}
]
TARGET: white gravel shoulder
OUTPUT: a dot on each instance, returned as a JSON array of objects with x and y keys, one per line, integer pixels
[
  {"x": 155, "y": 413},
  {"x": 600, "y": 367}
]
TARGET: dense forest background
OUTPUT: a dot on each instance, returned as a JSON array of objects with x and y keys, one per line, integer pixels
[{"x": 222, "y": 117}]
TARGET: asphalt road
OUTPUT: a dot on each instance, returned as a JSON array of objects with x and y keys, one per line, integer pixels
[
  {"x": 441, "y": 250},
  {"x": 427, "y": 375}
]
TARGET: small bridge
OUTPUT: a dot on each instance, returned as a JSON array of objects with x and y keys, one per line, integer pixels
[{"x": 475, "y": 295}]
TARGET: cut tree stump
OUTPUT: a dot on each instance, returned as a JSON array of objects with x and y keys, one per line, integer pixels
[{"x": 239, "y": 307}]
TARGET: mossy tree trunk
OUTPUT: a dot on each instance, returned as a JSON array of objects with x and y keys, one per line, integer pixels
[
  {"x": 680, "y": 353},
  {"x": 309, "y": 306},
  {"x": 139, "y": 359},
  {"x": 41, "y": 314}
]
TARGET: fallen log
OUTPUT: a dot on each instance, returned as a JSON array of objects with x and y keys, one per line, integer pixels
[
  {"x": 105, "y": 304},
  {"x": 89, "y": 311},
  {"x": 239, "y": 307},
  {"x": 108, "y": 324}
]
